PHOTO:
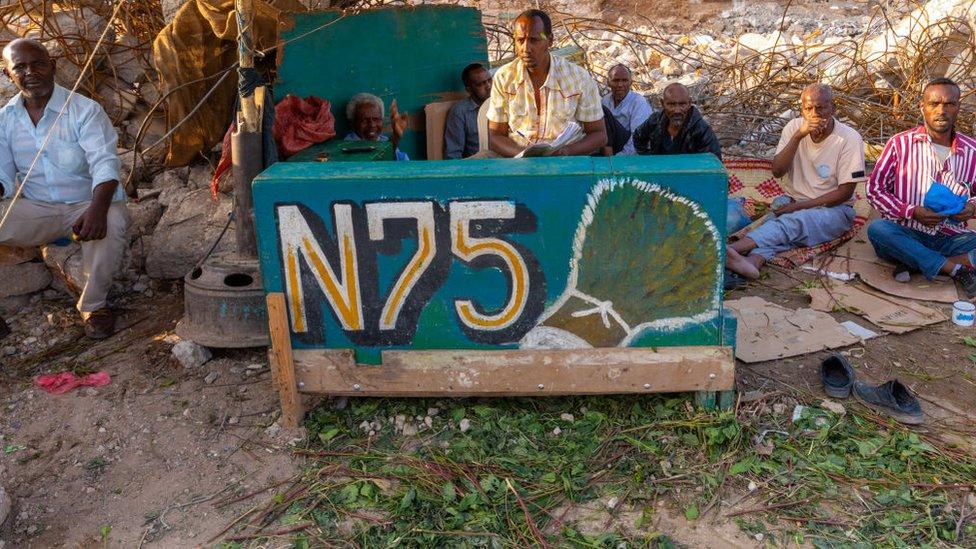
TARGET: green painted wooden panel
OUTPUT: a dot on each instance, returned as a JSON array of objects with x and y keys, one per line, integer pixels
[
  {"x": 495, "y": 254},
  {"x": 413, "y": 54}
]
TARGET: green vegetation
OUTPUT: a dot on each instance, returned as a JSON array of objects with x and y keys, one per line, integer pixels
[{"x": 524, "y": 472}]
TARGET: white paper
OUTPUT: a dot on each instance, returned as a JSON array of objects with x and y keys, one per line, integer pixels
[{"x": 571, "y": 133}]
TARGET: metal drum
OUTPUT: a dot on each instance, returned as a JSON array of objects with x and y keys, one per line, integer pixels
[{"x": 224, "y": 304}]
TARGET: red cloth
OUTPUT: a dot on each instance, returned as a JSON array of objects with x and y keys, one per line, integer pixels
[
  {"x": 58, "y": 384},
  {"x": 299, "y": 123}
]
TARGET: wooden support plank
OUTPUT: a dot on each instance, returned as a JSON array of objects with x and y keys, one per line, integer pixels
[
  {"x": 517, "y": 372},
  {"x": 282, "y": 365}
]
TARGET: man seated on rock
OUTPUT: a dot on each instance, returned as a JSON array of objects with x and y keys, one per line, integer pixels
[
  {"x": 461, "y": 132},
  {"x": 73, "y": 186},
  {"x": 537, "y": 95},
  {"x": 912, "y": 235},
  {"x": 365, "y": 112},
  {"x": 630, "y": 108},
  {"x": 678, "y": 128},
  {"x": 825, "y": 160}
]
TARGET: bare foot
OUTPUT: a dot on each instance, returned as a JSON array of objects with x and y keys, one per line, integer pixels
[{"x": 737, "y": 263}]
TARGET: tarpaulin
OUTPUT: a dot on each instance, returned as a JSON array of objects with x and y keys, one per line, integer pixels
[{"x": 190, "y": 54}]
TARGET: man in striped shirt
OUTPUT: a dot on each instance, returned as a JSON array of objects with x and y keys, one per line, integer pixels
[{"x": 912, "y": 235}]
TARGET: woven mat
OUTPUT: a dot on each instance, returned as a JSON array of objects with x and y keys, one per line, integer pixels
[{"x": 753, "y": 179}]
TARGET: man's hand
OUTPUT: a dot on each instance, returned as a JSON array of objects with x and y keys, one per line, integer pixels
[
  {"x": 927, "y": 217},
  {"x": 92, "y": 225},
  {"x": 398, "y": 122},
  {"x": 789, "y": 207},
  {"x": 806, "y": 128},
  {"x": 966, "y": 214}
]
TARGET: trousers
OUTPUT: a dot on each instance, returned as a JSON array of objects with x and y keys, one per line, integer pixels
[
  {"x": 922, "y": 252},
  {"x": 34, "y": 223},
  {"x": 801, "y": 228}
]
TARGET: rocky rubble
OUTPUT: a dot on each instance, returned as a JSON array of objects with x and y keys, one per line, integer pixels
[{"x": 754, "y": 50}]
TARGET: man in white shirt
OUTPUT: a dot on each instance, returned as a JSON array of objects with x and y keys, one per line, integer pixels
[
  {"x": 825, "y": 160},
  {"x": 630, "y": 108},
  {"x": 73, "y": 186}
]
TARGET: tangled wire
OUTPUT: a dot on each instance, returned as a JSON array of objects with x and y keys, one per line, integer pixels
[
  {"x": 748, "y": 94},
  {"x": 747, "y": 91}
]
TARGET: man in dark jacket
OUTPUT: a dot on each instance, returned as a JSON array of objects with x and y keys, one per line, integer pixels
[{"x": 678, "y": 128}]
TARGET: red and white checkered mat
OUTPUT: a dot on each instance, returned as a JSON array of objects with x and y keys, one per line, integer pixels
[{"x": 753, "y": 179}]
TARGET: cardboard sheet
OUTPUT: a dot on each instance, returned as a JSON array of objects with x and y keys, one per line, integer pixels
[
  {"x": 767, "y": 331},
  {"x": 893, "y": 314},
  {"x": 857, "y": 257}
]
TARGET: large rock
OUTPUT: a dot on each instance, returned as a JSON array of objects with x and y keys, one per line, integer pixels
[
  {"x": 199, "y": 178},
  {"x": 190, "y": 225},
  {"x": 173, "y": 177},
  {"x": 10, "y": 255},
  {"x": 65, "y": 262},
  {"x": 25, "y": 278},
  {"x": 191, "y": 355},
  {"x": 117, "y": 99},
  {"x": 127, "y": 60},
  {"x": 143, "y": 217}
]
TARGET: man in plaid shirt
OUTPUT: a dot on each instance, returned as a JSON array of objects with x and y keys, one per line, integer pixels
[
  {"x": 536, "y": 96},
  {"x": 912, "y": 235}
]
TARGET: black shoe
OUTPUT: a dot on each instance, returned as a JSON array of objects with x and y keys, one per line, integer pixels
[
  {"x": 893, "y": 399},
  {"x": 4, "y": 329},
  {"x": 837, "y": 376},
  {"x": 966, "y": 278},
  {"x": 734, "y": 281}
]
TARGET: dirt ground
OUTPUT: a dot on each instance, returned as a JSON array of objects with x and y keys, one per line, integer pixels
[
  {"x": 142, "y": 455},
  {"x": 156, "y": 455}
]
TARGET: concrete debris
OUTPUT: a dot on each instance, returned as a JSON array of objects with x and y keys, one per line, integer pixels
[
  {"x": 187, "y": 229},
  {"x": 143, "y": 217},
  {"x": 25, "y": 278},
  {"x": 126, "y": 62},
  {"x": 65, "y": 263},
  {"x": 15, "y": 256},
  {"x": 199, "y": 178},
  {"x": 190, "y": 354},
  {"x": 772, "y": 50},
  {"x": 119, "y": 101}
]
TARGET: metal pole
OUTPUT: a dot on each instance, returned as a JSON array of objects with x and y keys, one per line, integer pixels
[{"x": 246, "y": 140}]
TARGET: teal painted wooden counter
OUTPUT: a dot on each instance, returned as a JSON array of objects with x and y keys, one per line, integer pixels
[
  {"x": 339, "y": 150},
  {"x": 497, "y": 254}
]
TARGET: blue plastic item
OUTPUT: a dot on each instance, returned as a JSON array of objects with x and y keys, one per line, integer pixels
[
  {"x": 736, "y": 217},
  {"x": 941, "y": 200}
]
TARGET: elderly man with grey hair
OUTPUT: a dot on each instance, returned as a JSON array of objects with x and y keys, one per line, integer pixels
[
  {"x": 365, "y": 112},
  {"x": 825, "y": 160},
  {"x": 68, "y": 144},
  {"x": 630, "y": 108}
]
